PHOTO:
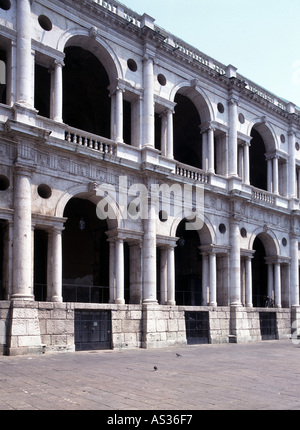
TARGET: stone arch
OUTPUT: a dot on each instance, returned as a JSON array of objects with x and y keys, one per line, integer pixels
[
  {"x": 191, "y": 112},
  {"x": 89, "y": 40},
  {"x": 88, "y": 192},
  {"x": 265, "y": 129},
  {"x": 206, "y": 232},
  {"x": 197, "y": 96},
  {"x": 268, "y": 239},
  {"x": 265, "y": 246},
  {"x": 263, "y": 144}
]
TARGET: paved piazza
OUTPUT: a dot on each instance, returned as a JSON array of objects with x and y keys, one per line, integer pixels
[{"x": 253, "y": 376}]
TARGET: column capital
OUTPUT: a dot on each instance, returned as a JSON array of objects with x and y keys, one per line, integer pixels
[
  {"x": 59, "y": 62},
  {"x": 117, "y": 85},
  {"x": 24, "y": 169},
  {"x": 206, "y": 126},
  {"x": 233, "y": 100}
]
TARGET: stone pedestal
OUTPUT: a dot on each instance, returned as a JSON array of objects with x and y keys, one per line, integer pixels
[
  {"x": 295, "y": 324},
  {"x": 24, "y": 332},
  {"x": 239, "y": 325},
  {"x": 162, "y": 326}
]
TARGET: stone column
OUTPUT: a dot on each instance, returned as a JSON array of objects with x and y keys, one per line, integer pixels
[
  {"x": 22, "y": 250},
  {"x": 56, "y": 237},
  {"x": 119, "y": 271},
  {"x": 211, "y": 150},
  {"x": 8, "y": 260},
  {"x": 269, "y": 175},
  {"x": 232, "y": 136},
  {"x": 113, "y": 133},
  {"x": 119, "y": 115},
  {"x": 24, "y": 56},
  {"x": 277, "y": 284},
  {"x": 205, "y": 278},
  {"x": 148, "y": 101},
  {"x": 164, "y": 134},
  {"x": 235, "y": 260},
  {"x": 171, "y": 276},
  {"x": 11, "y": 88},
  {"x": 292, "y": 166},
  {"x": 294, "y": 272},
  {"x": 58, "y": 91},
  {"x": 170, "y": 153},
  {"x": 112, "y": 273},
  {"x": 204, "y": 152},
  {"x": 270, "y": 280},
  {"x": 212, "y": 279},
  {"x": 135, "y": 279},
  {"x": 246, "y": 163},
  {"x": 248, "y": 282},
  {"x": 275, "y": 174},
  {"x": 149, "y": 256},
  {"x": 163, "y": 276}
]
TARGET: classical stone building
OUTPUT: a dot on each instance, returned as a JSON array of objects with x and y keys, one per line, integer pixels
[{"x": 149, "y": 195}]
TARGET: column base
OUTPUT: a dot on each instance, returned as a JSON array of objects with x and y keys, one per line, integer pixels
[
  {"x": 22, "y": 297},
  {"x": 119, "y": 302},
  {"x": 150, "y": 302},
  {"x": 171, "y": 303},
  {"x": 57, "y": 299},
  {"x": 213, "y": 304}
]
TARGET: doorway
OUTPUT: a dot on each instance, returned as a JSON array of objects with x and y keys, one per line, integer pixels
[{"x": 92, "y": 330}]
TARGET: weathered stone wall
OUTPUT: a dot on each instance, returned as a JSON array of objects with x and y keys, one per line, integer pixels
[
  {"x": 35, "y": 327},
  {"x": 163, "y": 326},
  {"x": 245, "y": 323},
  {"x": 57, "y": 326},
  {"x": 4, "y": 318}
]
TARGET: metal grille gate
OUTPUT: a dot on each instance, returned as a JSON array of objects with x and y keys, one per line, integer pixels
[
  {"x": 197, "y": 327},
  {"x": 268, "y": 325},
  {"x": 92, "y": 330}
]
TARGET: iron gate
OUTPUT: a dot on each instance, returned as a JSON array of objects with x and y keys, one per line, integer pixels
[
  {"x": 197, "y": 327},
  {"x": 268, "y": 325},
  {"x": 92, "y": 330}
]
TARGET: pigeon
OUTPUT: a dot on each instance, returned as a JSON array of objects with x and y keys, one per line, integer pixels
[{"x": 155, "y": 368}]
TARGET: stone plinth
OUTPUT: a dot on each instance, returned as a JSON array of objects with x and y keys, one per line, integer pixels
[
  {"x": 24, "y": 335},
  {"x": 162, "y": 326}
]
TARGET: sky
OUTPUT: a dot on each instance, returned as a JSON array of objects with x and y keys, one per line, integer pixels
[{"x": 261, "y": 38}]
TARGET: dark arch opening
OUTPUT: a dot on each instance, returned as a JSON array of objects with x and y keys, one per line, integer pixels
[
  {"x": 40, "y": 265},
  {"x": 259, "y": 274},
  {"x": 86, "y": 103},
  {"x": 187, "y": 136},
  {"x": 85, "y": 254},
  {"x": 258, "y": 162},
  {"x": 188, "y": 267}
]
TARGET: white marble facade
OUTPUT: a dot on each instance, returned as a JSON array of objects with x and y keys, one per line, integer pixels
[{"x": 96, "y": 97}]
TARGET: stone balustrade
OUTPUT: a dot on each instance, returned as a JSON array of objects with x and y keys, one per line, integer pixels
[
  {"x": 91, "y": 141},
  {"x": 192, "y": 173}
]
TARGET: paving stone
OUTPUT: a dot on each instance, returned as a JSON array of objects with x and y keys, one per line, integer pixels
[{"x": 251, "y": 376}]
